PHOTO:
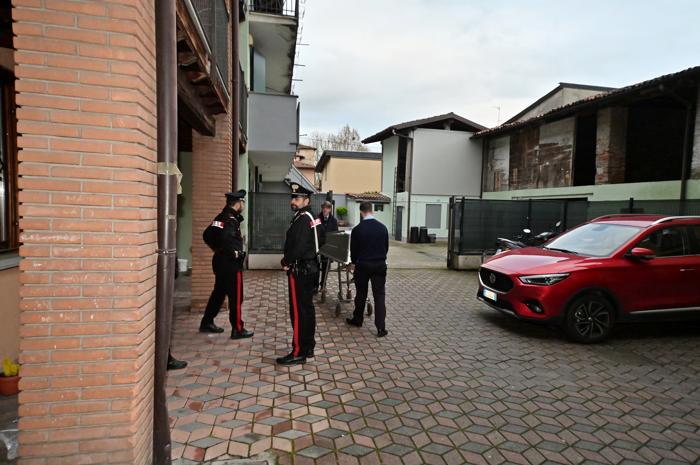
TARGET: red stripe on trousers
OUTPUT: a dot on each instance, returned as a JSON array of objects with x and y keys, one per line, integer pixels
[
  {"x": 238, "y": 301},
  {"x": 295, "y": 310}
]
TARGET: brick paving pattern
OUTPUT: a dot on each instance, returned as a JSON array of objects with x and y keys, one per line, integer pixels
[{"x": 453, "y": 383}]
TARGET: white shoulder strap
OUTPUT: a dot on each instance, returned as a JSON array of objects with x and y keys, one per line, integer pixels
[{"x": 314, "y": 225}]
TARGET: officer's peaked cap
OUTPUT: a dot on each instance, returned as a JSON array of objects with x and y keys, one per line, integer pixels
[
  {"x": 238, "y": 195},
  {"x": 299, "y": 191}
]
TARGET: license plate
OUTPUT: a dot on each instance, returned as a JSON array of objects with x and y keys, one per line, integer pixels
[{"x": 490, "y": 295}]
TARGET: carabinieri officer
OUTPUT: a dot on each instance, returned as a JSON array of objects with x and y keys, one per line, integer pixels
[
  {"x": 300, "y": 263},
  {"x": 224, "y": 237}
]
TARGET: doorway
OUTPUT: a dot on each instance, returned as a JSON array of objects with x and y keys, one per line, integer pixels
[{"x": 398, "y": 224}]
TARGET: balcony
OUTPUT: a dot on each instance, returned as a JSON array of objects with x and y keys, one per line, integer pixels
[
  {"x": 275, "y": 7},
  {"x": 274, "y": 26},
  {"x": 203, "y": 54},
  {"x": 273, "y": 122}
]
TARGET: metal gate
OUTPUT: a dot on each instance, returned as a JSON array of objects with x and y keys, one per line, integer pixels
[{"x": 269, "y": 215}]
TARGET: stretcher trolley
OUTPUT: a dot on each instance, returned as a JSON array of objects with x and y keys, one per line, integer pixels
[{"x": 336, "y": 251}]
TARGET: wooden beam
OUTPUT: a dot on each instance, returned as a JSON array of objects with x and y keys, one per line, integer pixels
[{"x": 192, "y": 108}]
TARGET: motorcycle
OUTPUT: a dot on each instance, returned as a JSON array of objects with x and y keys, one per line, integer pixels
[{"x": 527, "y": 239}]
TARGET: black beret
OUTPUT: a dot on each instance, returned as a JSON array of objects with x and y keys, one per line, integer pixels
[{"x": 239, "y": 195}]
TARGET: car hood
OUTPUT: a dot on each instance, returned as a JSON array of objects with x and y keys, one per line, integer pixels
[{"x": 533, "y": 260}]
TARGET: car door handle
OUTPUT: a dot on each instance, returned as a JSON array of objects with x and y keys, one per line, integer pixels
[{"x": 687, "y": 269}]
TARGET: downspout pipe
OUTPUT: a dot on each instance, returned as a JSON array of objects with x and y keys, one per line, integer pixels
[
  {"x": 166, "y": 88},
  {"x": 408, "y": 182},
  {"x": 235, "y": 93}
]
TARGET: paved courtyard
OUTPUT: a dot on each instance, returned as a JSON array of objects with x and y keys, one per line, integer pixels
[{"x": 453, "y": 383}]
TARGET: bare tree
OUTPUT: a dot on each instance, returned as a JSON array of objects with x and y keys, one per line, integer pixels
[{"x": 347, "y": 138}]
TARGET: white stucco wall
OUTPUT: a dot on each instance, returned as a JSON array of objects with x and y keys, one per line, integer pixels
[
  {"x": 354, "y": 214},
  {"x": 390, "y": 158},
  {"x": 661, "y": 190},
  {"x": 561, "y": 97},
  {"x": 446, "y": 163}
]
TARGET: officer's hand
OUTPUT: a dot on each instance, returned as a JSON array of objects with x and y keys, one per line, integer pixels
[
  {"x": 351, "y": 267},
  {"x": 285, "y": 268}
]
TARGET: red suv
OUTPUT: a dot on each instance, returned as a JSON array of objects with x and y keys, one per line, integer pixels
[{"x": 613, "y": 268}]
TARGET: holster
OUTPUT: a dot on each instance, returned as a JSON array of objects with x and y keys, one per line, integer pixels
[{"x": 305, "y": 267}]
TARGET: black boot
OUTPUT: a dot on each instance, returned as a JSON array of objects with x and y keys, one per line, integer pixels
[
  {"x": 291, "y": 359},
  {"x": 175, "y": 364},
  {"x": 353, "y": 322},
  {"x": 210, "y": 328},
  {"x": 242, "y": 334}
]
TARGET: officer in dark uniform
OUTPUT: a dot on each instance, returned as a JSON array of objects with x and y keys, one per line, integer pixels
[
  {"x": 224, "y": 237},
  {"x": 300, "y": 263}
]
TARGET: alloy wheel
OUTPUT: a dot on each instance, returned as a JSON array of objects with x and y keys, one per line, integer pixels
[{"x": 591, "y": 319}]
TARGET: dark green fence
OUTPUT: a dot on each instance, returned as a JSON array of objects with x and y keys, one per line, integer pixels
[
  {"x": 476, "y": 223},
  {"x": 269, "y": 216}
]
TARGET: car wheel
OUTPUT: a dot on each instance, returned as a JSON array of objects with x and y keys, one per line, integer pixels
[{"x": 589, "y": 319}]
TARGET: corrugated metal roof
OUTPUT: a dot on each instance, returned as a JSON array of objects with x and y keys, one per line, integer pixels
[
  {"x": 592, "y": 101},
  {"x": 295, "y": 176}
]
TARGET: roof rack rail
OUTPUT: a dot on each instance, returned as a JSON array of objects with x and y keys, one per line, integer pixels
[
  {"x": 623, "y": 215},
  {"x": 671, "y": 218}
]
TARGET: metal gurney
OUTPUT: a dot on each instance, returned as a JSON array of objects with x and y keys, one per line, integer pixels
[{"x": 336, "y": 251}]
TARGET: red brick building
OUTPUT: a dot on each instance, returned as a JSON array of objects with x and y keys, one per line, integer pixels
[{"x": 78, "y": 232}]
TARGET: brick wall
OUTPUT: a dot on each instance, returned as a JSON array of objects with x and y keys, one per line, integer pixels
[
  {"x": 211, "y": 179},
  {"x": 555, "y": 158},
  {"x": 695, "y": 163},
  {"x": 611, "y": 142},
  {"x": 86, "y": 92},
  {"x": 523, "y": 159}
]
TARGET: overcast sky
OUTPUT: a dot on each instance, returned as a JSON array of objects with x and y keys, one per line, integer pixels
[{"x": 373, "y": 63}]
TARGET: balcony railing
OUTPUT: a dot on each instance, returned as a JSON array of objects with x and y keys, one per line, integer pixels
[
  {"x": 275, "y": 7},
  {"x": 214, "y": 17}
]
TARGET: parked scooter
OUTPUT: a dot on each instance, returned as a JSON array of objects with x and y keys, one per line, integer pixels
[{"x": 527, "y": 239}]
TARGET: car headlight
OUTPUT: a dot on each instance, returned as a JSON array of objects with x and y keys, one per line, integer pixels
[{"x": 544, "y": 279}]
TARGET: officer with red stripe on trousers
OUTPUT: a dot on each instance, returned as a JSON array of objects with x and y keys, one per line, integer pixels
[
  {"x": 224, "y": 237},
  {"x": 301, "y": 264}
]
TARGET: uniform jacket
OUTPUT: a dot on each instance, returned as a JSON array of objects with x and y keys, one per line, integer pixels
[
  {"x": 327, "y": 225},
  {"x": 369, "y": 242},
  {"x": 228, "y": 240},
  {"x": 301, "y": 241}
]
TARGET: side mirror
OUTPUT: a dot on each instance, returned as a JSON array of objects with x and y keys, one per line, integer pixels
[{"x": 641, "y": 253}]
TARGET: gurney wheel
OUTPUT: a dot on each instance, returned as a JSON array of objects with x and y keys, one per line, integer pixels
[
  {"x": 369, "y": 309},
  {"x": 337, "y": 309},
  {"x": 340, "y": 295},
  {"x": 349, "y": 294}
]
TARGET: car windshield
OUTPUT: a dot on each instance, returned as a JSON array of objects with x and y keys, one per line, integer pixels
[{"x": 594, "y": 239}]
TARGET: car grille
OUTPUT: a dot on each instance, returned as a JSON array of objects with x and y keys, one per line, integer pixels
[{"x": 495, "y": 280}]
